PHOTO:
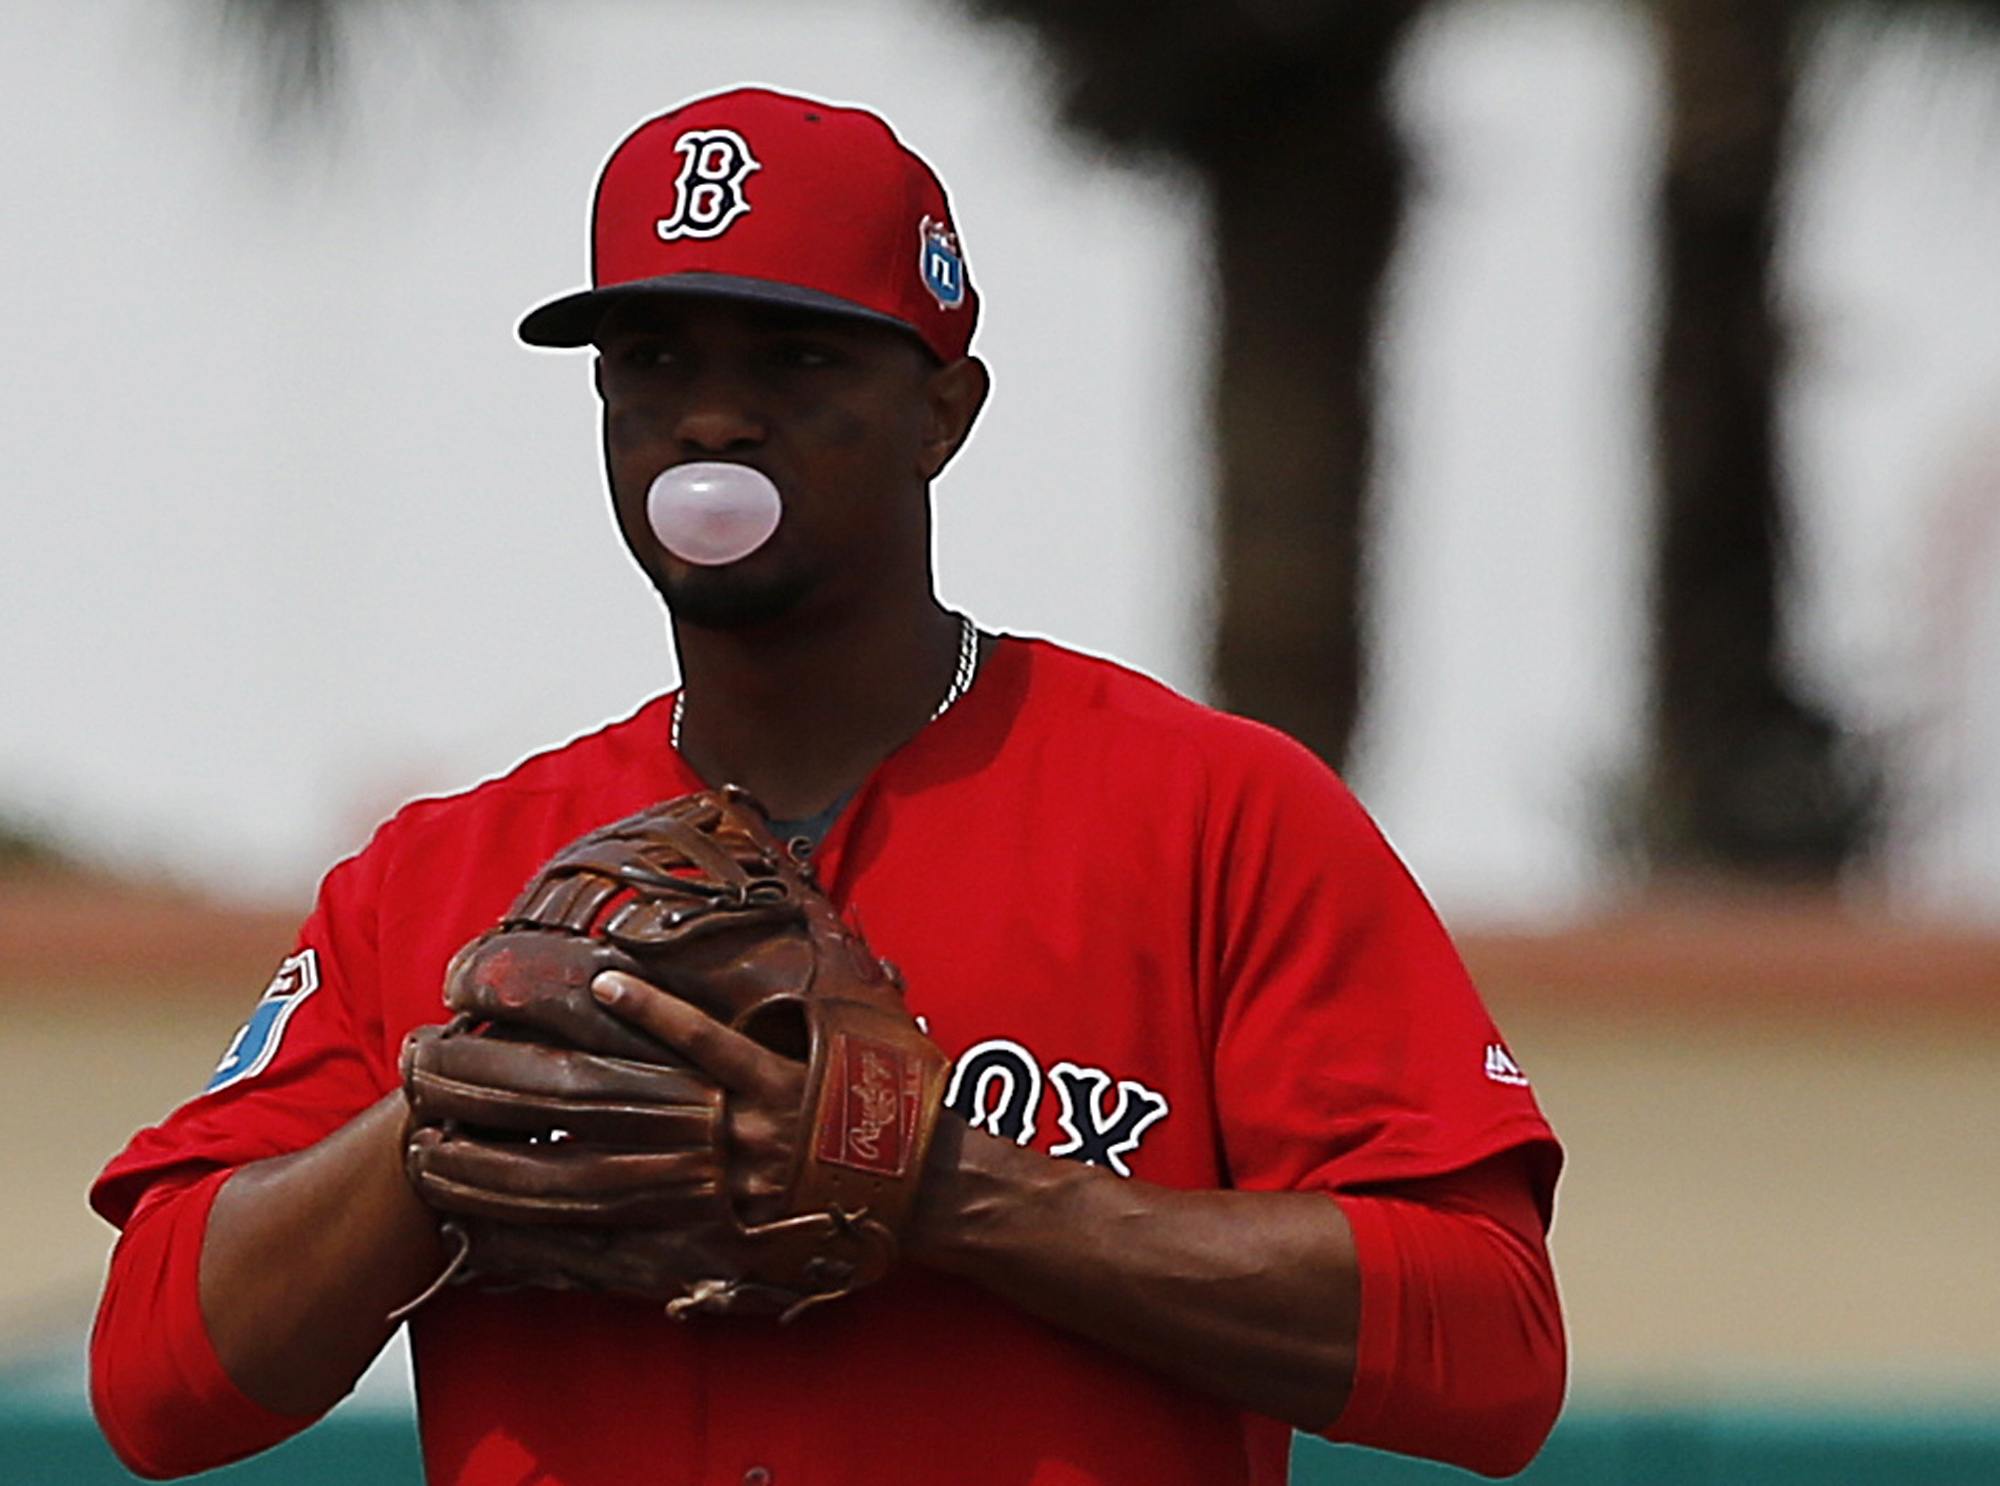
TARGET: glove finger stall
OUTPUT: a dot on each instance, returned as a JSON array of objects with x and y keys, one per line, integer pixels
[
  {"x": 563, "y": 1182},
  {"x": 435, "y": 1101},
  {"x": 531, "y": 1089},
  {"x": 540, "y": 1070},
  {"x": 540, "y": 980},
  {"x": 714, "y": 1269}
]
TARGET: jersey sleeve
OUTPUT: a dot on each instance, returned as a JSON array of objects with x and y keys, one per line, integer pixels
[
  {"x": 1355, "y": 1057},
  {"x": 157, "y": 1389},
  {"x": 1352, "y": 1047},
  {"x": 311, "y": 1055},
  {"x": 1461, "y": 1352}
]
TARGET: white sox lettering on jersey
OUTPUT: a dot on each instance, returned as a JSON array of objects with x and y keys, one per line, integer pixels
[
  {"x": 708, "y": 193},
  {"x": 997, "y": 1086}
]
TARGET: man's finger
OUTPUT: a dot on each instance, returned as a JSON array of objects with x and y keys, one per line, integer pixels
[{"x": 724, "y": 1054}]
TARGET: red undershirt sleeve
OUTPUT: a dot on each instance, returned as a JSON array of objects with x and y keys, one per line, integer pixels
[
  {"x": 156, "y": 1386},
  {"x": 1461, "y": 1354}
]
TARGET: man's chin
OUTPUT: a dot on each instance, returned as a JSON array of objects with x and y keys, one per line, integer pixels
[{"x": 715, "y": 598}]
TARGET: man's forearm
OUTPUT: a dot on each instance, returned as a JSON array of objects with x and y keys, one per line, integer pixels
[
  {"x": 305, "y": 1257},
  {"x": 1250, "y": 1296}
]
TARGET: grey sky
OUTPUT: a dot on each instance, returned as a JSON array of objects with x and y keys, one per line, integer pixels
[{"x": 295, "y": 528}]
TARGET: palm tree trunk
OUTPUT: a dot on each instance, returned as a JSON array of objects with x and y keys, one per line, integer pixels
[
  {"x": 1307, "y": 209},
  {"x": 1745, "y": 775}
]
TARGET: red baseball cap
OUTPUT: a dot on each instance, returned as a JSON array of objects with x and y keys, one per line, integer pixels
[{"x": 760, "y": 195}]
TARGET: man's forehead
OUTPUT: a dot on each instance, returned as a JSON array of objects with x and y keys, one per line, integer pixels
[{"x": 644, "y": 313}]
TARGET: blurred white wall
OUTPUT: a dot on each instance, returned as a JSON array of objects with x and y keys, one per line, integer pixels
[{"x": 294, "y": 528}]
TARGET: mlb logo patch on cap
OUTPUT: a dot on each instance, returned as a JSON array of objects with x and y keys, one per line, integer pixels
[{"x": 942, "y": 269}]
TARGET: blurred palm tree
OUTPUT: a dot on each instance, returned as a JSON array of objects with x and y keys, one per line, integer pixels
[
  {"x": 1280, "y": 110},
  {"x": 1281, "y": 107},
  {"x": 1747, "y": 772},
  {"x": 1281, "y": 113}
]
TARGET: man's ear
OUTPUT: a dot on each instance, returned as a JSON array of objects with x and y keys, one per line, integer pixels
[{"x": 954, "y": 395}]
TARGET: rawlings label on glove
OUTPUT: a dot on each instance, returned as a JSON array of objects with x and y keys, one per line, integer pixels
[{"x": 568, "y": 1147}]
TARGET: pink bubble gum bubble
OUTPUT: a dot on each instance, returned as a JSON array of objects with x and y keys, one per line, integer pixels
[{"x": 711, "y": 514}]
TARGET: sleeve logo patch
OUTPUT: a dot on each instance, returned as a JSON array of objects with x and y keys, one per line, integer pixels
[
  {"x": 256, "y": 1043},
  {"x": 1501, "y": 1067}
]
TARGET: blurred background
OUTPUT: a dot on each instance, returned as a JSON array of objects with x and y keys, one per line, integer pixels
[{"x": 1579, "y": 420}]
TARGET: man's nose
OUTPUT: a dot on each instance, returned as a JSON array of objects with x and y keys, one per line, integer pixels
[{"x": 718, "y": 416}]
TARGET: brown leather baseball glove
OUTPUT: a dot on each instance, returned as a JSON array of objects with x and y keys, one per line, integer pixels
[{"x": 566, "y": 1147}]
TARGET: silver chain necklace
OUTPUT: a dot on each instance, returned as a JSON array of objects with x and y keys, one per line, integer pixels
[{"x": 961, "y": 680}]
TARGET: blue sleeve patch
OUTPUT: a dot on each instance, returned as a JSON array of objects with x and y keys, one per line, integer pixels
[{"x": 256, "y": 1043}]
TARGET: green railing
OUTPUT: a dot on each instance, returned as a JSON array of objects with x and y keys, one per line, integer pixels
[
  {"x": 40, "y": 1447},
  {"x": 1721, "y": 1447}
]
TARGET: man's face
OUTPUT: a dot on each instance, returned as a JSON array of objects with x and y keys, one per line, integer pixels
[{"x": 843, "y": 415}]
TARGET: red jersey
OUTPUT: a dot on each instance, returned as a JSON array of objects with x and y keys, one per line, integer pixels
[{"x": 1152, "y": 936}]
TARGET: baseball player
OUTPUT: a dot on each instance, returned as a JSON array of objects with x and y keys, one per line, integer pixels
[{"x": 1227, "y": 1145}]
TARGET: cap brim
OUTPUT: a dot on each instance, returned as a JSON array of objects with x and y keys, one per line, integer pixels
[{"x": 572, "y": 320}]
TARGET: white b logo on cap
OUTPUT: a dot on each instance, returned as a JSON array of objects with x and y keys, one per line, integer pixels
[{"x": 708, "y": 194}]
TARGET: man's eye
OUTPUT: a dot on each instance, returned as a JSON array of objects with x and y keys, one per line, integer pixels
[
  {"x": 647, "y": 354},
  {"x": 803, "y": 355}
]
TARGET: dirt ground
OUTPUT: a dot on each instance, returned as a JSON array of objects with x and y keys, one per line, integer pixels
[{"x": 1783, "y": 1124}]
